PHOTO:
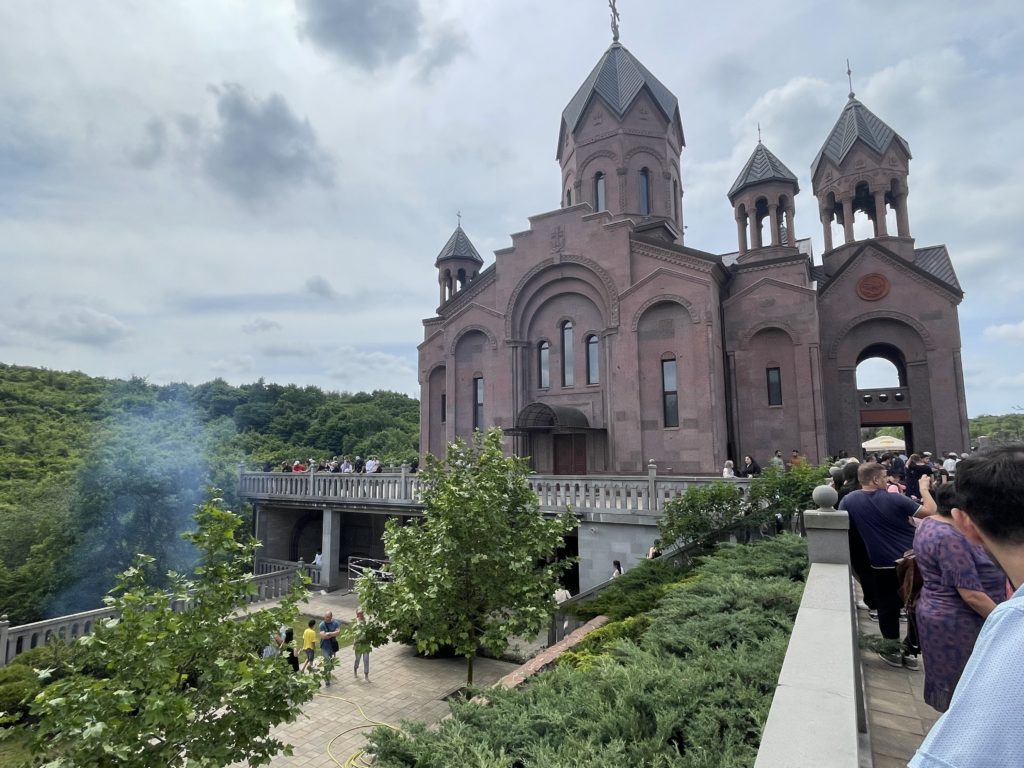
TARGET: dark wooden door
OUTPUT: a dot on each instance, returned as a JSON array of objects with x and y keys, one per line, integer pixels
[{"x": 570, "y": 454}]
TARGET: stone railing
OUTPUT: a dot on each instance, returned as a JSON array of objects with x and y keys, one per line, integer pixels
[
  {"x": 592, "y": 496},
  {"x": 265, "y": 565},
  {"x": 270, "y": 585},
  {"x": 818, "y": 714}
]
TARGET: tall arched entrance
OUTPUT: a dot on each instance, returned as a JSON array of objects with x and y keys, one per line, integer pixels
[
  {"x": 558, "y": 439},
  {"x": 883, "y": 397}
]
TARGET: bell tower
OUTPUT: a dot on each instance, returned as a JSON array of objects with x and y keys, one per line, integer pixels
[
  {"x": 862, "y": 168},
  {"x": 457, "y": 264},
  {"x": 763, "y": 193}
]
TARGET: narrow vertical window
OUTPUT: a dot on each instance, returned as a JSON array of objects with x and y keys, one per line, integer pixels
[
  {"x": 567, "y": 359},
  {"x": 645, "y": 192},
  {"x": 478, "y": 402},
  {"x": 444, "y": 408},
  {"x": 675, "y": 200},
  {"x": 544, "y": 364},
  {"x": 593, "y": 360},
  {"x": 599, "y": 204},
  {"x": 568, "y": 197},
  {"x": 669, "y": 393},
  {"x": 774, "y": 386}
]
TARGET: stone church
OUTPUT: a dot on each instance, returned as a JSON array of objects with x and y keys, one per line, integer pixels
[{"x": 602, "y": 338}]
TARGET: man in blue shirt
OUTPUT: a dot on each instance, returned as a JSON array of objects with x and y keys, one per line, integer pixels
[
  {"x": 883, "y": 521},
  {"x": 982, "y": 725},
  {"x": 329, "y": 631}
]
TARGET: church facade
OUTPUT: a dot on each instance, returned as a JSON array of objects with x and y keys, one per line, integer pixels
[{"x": 602, "y": 339}]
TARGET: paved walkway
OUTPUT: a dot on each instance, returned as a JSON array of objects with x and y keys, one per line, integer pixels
[
  {"x": 334, "y": 725},
  {"x": 898, "y": 717}
]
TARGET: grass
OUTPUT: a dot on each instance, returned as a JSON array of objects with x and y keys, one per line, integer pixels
[{"x": 15, "y": 748}]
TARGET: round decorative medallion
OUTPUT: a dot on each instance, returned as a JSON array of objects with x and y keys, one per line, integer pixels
[{"x": 873, "y": 287}]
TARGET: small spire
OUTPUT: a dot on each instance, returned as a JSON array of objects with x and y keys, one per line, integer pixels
[
  {"x": 615, "y": 21},
  {"x": 459, "y": 214},
  {"x": 758, "y": 131},
  {"x": 849, "y": 77}
]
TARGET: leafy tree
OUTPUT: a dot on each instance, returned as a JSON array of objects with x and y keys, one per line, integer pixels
[
  {"x": 699, "y": 512},
  {"x": 478, "y": 567},
  {"x": 160, "y": 687}
]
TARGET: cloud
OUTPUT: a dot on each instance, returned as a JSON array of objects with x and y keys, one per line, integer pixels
[
  {"x": 442, "y": 51},
  {"x": 153, "y": 146},
  {"x": 261, "y": 148},
  {"x": 33, "y": 321},
  {"x": 366, "y": 34},
  {"x": 261, "y": 325},
  {"x": 1005, "y": 332},
  {"x": 319, "y": 286}
]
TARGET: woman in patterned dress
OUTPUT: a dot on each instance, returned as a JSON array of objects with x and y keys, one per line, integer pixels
[{"x": 961, "y": 587}]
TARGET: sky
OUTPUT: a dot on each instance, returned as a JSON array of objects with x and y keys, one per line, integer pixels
[{"x": 191, "y": 190}]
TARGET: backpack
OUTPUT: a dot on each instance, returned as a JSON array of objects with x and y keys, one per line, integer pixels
[{"x": 909, "y": 577}]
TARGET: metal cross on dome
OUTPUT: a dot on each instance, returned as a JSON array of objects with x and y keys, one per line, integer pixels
[{"x": 615, "y": 21}]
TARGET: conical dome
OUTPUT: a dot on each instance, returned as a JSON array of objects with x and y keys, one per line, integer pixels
[
  {"x": 458, "y": 247},
  {"x": 857, "y": 122},
  {"x": 761, "y": 167}
]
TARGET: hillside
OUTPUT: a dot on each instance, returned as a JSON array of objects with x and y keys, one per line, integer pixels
[{"x": 94, "y": 470}]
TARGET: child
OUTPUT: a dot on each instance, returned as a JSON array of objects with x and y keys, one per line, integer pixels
[{"x": 309, "y": 638}]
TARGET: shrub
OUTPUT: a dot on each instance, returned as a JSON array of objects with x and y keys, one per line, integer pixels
[
  {"x": 599, "y": 642},
  {"x": 700, "y": 512},
  {"x": 18, "y": 686},
  {"x": 635, "y": 591},
  {"x": 56, "y": 656}
]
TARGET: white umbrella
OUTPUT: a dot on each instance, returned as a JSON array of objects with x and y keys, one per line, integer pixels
[{"x": 884, "y": 443}]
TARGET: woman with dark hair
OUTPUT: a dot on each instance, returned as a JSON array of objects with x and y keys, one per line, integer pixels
[
  {"x": 961, "y": 588},
  {"x": 750, "y": 467},
  {"x": 916, "y": 468}
]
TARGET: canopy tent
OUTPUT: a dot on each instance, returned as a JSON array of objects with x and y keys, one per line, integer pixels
[{"x": 884, "y": 443}]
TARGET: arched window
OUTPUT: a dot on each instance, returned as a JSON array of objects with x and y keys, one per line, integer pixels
[
  {"x": 567, "y": 359},
  {"x": 568, "y": 197},
  {"x": 669, "y": 393},
  {"x": 544, "y": 364},
  {"x": 599, "y": 203},
  {"x": 478, "y": 402},
  {"x": 593, "y": 360},
  {"x": 675, "y": 200},
  {"x": 645, "y": 192}
]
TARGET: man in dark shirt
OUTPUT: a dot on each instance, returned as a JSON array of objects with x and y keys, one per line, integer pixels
[{"x": 883, "y": 521}]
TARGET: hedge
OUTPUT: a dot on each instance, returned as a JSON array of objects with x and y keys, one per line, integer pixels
[{"x": 687, "y": 683}]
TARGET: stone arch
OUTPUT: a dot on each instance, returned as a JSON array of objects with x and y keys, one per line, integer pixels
[
  {"x": 665, "y": 297},
  {"x": 491, "y": 338},
  {"x": 765, "y": 325},
  {"x": 598, "y": 155},
  {"x": 531, "y": 283},
  {"x": 644, "y": 149},
  {"x": 898, "y": 317}
]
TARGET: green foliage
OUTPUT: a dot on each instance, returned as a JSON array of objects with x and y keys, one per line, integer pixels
[
  {"x": 636, "y": 591},
  {"x": 177, "y": 688},
  {"x": 91, "y": 469},
  {"x": 1001, "y": 429},
  {"x": 689, "y": 685},
  {"x": 699, "y": 512},
  {"x": 478, "y": 567},
  {"x": 599, "y": 642}
]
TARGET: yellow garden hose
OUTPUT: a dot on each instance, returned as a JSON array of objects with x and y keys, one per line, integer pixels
[{"x": 357, "y": 755}]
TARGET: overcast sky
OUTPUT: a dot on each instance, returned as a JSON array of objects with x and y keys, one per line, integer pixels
[{"x": 213, "y": 188}]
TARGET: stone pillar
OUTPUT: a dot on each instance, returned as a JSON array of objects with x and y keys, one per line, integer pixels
[
  {"x": 848, "y": 220},
  {"x": 741, "y": 232},
  {"x": 826, "y": 229},
  {"x": 755, "y": 230},
  {"x": 652, "y": 484},
  {"x": 773, "y": 222},
  {"x": 330, "y": 547},
  {"x": 440, "y": 285},
  {"x": 791, "y": 227},
  {"x": 881, "y": 230},
  {"x": 405, "y": 495},
  {"x": 902, "y": 221},
  {"x": 827, "y": 527},
  {"x": 5, "y": 625}
]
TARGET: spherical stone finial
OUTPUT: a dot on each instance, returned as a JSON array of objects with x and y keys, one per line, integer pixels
[{"x": 825, "y": 497}]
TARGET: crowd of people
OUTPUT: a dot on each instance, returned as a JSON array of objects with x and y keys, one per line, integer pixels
[
  {"x": 344, "y": 464},
  {"x": 324, "y": 633},
  {"x": 960, "y": 524},
  {"x": 750, "y": 467}
]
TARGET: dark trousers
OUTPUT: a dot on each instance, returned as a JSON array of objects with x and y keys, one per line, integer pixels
[
  {"x": 887, "y": 593},
  {"x": 862, "y": 568}
]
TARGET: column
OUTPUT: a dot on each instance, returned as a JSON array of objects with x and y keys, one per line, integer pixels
[
  {"x": 773, "y": 221},
  {"x": 881, "y": 230},
  {"x": 826, "y": 229},
  {"x": 741, "y": 231},
  {"x": 790, "y": 227},
  {"x": 755, "y": 230},
  {"x": 330, "y": 547},
  {"x": 848, "y": 220},
  {"x": 902, "y": 222}
]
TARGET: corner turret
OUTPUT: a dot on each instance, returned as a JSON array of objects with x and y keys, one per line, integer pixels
[{"x": 457, "y": 264}]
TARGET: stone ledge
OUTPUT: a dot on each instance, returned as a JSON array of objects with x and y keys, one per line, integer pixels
[{"x": 546, "y": 658}]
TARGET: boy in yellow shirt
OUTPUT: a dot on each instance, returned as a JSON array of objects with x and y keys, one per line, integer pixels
[{"x": 309, "y": 638}]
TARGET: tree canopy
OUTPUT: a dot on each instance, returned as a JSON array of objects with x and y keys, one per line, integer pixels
[
  {"x": 478, "y": 568},
  {"x": 156, "y": 686}
]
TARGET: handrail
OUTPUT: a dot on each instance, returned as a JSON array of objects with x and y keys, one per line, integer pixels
[{"x": 271, "y": 585}]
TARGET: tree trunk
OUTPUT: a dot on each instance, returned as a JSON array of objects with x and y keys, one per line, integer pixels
[{"x": 469, "y": 669}]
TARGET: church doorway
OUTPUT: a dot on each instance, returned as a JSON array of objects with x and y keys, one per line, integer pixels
[
  {"x": 570, "y": 454},
  {"x": 883, "y": 397},
  {"x": 558, "y": 439}
]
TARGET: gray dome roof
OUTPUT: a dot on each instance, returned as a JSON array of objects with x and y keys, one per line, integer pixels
[
  {"x": 762, "y": 166},
  {"x": 458, "y": 247},
  {"x": 618, "y": 78},
  {"x": 857, "y": 122}
]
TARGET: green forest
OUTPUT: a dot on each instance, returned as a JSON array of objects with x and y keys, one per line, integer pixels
[{"x": 94, "y": 470}]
